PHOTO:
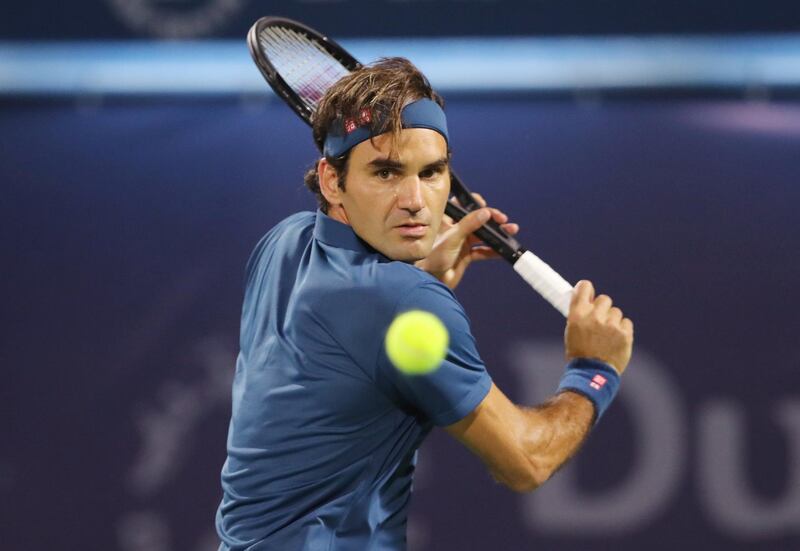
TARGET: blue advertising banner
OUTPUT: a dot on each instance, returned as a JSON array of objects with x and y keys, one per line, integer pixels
[
  {"x": 121, "y": 19},
  {"x": 127, "y": 225}
]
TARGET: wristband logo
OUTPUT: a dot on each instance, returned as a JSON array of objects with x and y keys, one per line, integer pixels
[
  {"x": 184, "y": 19},
  {"x": 598, "y": 382}
]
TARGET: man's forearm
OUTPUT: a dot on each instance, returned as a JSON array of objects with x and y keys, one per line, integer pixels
[
  {"x": 557, "y": 429},
  {"x": 522, "y": 446}
]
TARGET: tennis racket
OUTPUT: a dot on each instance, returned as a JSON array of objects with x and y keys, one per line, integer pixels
[{"x": 300, "y": 64}]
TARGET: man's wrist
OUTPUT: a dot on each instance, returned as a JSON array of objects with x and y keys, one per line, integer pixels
[{"x": 594, "y": 379}]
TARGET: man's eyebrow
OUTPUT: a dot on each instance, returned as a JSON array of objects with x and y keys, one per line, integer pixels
[
  {"x": 383, "y": 162},
  {"x": 437, "y": 165}
]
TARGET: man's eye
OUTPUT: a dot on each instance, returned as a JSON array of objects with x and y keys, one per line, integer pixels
[
  {"x": 430, "y": 173},
  {"x": 384, "y": 174}
]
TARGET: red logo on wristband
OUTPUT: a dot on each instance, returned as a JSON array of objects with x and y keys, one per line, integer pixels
[{"x": 598, "y": 381}]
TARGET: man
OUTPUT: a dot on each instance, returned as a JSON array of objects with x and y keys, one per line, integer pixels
[{"x": 324, "y": 431}]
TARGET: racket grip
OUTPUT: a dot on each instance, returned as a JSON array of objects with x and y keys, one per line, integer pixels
[
  {"x": 506, "y": 247},
  {"x": 545, "y": 281},
  {"x": 469, "y": 204}
]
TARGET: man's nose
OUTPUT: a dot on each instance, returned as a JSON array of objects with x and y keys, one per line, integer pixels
[{"x": 410, "y": 195}]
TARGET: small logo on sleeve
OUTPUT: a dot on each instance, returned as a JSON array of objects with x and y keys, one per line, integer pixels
[{"x": 598, "y": 381}]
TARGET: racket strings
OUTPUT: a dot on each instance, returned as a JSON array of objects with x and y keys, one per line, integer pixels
[
  {"x": 302, "y": 62},
  {"x": 300, "y": 65}
]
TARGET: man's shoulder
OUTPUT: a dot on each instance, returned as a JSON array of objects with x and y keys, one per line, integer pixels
[
  {"x": 396, "y": 280},
  {"x": 303, "y": 218},
  {"x": 297, "y": 222},
  {"x": 286, "y": 236},
  {"x": 383, "y": 289},
  {"x": 401, "y": 274}
]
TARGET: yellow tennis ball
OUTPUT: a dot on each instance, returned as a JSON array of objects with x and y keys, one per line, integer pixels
[{"x": 416, "y": 342}]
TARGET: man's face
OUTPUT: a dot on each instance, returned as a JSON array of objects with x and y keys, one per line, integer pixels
[{"x": 395, "y": 200}]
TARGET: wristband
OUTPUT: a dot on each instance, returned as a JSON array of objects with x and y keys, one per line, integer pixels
[{"x": 596, "y": 380}]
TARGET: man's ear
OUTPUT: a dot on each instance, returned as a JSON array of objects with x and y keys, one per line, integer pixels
[{"x": 329, "y": 182}]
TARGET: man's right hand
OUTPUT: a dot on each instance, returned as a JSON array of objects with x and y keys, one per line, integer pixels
[{"x": 596, "y": 329}]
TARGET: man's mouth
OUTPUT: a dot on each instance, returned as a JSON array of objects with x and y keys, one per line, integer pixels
[{"x": 412, "y": 229}]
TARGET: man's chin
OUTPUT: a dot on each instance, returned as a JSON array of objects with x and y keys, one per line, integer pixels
[{"x": 411, "y": 251}]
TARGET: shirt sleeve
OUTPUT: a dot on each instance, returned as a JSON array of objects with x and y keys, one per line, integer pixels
[{"x": 451, "y": 392}]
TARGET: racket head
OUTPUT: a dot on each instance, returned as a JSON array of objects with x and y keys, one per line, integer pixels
[{"x": 299, "y": 63}]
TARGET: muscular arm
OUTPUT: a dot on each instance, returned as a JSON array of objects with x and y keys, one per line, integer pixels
[{"x": 523, "y": 447}]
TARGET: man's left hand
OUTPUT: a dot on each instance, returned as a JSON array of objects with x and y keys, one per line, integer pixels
[{"x": 456, "y": 247}]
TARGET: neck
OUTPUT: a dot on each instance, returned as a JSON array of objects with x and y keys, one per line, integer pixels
[{"x": 338, "y": 213}]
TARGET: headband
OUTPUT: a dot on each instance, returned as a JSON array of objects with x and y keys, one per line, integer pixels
[{"x": 346, "y": 134}]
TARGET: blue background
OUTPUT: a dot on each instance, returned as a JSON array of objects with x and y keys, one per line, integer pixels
[
  {"x": 127, "y": 224},
  {"x": 138, "y": 174}
]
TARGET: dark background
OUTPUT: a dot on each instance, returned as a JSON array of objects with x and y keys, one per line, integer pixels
[
  {"x": 127, "y": 222},
  {"x": 126, "y": 230},
  {"x": 92, "y": 19}
]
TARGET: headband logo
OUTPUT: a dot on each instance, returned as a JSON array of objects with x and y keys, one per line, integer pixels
[
  {"x": 346, "y": 133},
  {"x": 364, "y": 118}
]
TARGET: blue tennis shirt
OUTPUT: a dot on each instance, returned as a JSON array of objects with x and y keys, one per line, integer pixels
[{"x": 324, "y": 431}]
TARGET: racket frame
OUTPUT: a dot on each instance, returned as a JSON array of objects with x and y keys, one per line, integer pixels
[{"x": 271, "y": 73}]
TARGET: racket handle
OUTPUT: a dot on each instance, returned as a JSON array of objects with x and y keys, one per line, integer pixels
[
  {"x": 506, "y": 247},
  {"x": 545, "y": 281},
  {"x": 469, "y": 204},
  {"x": 539, "y": 275}
]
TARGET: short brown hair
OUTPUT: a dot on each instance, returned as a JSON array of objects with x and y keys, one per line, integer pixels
[{"x": 385, "y": 87}]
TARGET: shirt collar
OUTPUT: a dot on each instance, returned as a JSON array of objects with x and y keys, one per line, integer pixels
[{"x": 335, "y": 233}]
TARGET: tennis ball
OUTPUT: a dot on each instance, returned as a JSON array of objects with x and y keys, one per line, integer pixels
[{"x": 416, "y": 342}]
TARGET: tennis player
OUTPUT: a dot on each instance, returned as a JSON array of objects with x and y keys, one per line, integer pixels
[{"x": 324, "y": 432}]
